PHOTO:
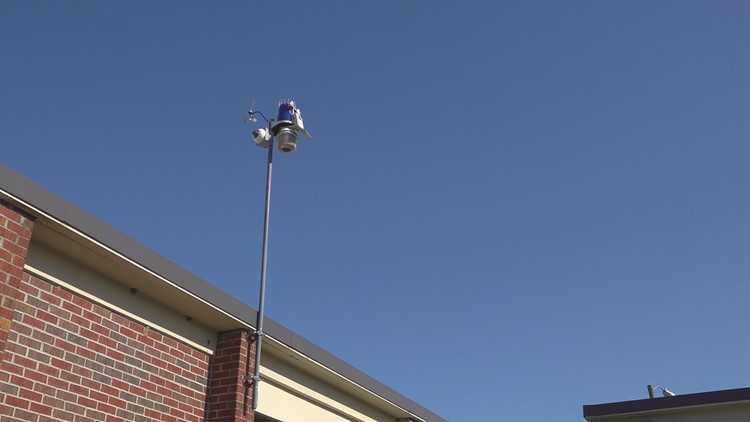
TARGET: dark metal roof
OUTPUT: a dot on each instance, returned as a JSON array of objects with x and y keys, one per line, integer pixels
[
  {"x": 664, "y": 403},
  {"x": 62, "y": 210}
]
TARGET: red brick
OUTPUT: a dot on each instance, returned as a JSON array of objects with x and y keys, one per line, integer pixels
[
  {"x": 74, "y": 309},
  {"x": 11, "y": 368},
  {"x": 15, "y": 281},
  {"x": 73, "y": 378},
  {"x": 65, "y": 345},
  {"x": 89, "y": 334},
  {"x": 83, "y": 303},
  {"x": 92, "y": 316},
  {"x": 102, "y": 406},
  {"x": 61, "y": 364},
  {"x": 9, "y": 236},
  {"x": 9, "y": 214},
  {"x": 160, "y": 363},
  {"x": 97, "y": 396},
  {"x": 29, "y": 289},
  {"x": 74, "y": 408},
  {"x": 58, "y": 383},
  {"x": 118, "y": 403},
  {"x": 78, "y": 390},
  {"x": 107, "y": 342},
  {"x": 49, "y": 370},
  {"x": 23, "y": 228},
  {"x": 127, "y": 332},
  {"x": 7, "y": 256},
  {"x": 29, "y": 395},
  {"x": 100, "y": 329},
  {"x": 24, "y": 362},
  {"x": 14, "y": 401},
  {"x": 146, "y": 340},
  {"x": 172, "y": 343},
  {"x": 40, "y": 409},
  {"x": 176, "y": 354},
  {"x": 52, "y": 299},
  {"x": 83, "y": 372},
  {"x": 87, "y": 402},
  {"x": 40, "y": 284},
  {"x": 19, "y": 261},
  {"x": 109, "y": 390},
  {"x": 64, "y": 295},
  {"x": 14, "y": 270},
  {"x": 150, "y": 386},
  {"x": 178, "y": 414},
  {"x": 114, "y": 354},
  {"x": 14, "y": 248},
  {"x": 22, "y": 382},
  {"x": 77, "y": 319},
  {"x": 46, "y": 316},
  {"x": 154, "y": 335},
  {"x": 42, "y": 336},
  {"x": 120, "y": 319},
  {"x": 138, "y": 391},
  {"x": 153, "y": 414},
  {"x": 92, "y": 385},
  {"x": 34, "y": 322},
  {"x": 16, "y": 349},
  {"x": 53, "y": 351},
  {"x": 96, "y": 348}
]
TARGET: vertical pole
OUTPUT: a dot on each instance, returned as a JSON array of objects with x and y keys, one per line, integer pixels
[
  {"x": 262, "y": 299},
  {"x": 650, "y": 389}
]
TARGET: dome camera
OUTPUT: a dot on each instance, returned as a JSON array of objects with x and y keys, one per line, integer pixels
[{"x": 262, "y": 137}]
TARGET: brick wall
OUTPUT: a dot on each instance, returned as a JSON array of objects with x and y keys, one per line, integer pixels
[
  {"x": 231, "y": 396},
  {"x": 65, "y": 358},
  {"x": 15, "y": 236},
  {"x": 69, "y": 359}
]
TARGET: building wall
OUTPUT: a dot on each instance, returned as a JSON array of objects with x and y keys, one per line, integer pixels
[
  {"x": 231, "y": 394},
  {"x": 67, "y": 358},
  {"x": 15, "y": 237},
  {"x": 86, "y": 334},
  {"x": 78, "y": 345}
]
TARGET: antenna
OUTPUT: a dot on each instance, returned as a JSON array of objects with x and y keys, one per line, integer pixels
[{"x": 251, "y": 113}]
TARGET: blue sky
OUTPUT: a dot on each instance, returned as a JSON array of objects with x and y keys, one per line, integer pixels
[{"x": 508, "y": 209}]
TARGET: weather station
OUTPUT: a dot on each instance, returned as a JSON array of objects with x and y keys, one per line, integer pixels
[{"x": 284, "y": 131}]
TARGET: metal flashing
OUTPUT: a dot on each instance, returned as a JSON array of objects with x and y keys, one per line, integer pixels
[{"x": 665, "y": 403}]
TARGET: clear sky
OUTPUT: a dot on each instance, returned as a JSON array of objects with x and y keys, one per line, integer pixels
[{"x": 508, "y": 209}]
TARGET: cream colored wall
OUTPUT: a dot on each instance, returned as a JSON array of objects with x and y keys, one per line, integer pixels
[
  {"x": 289, "y": 394},
  {"x": 56, "y": 268},
  {"x": 287, "y": 406}
]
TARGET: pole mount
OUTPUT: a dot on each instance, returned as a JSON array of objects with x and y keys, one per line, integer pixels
[{"x": 251, "y": 379}]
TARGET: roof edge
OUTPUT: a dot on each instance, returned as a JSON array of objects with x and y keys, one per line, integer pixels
[{"x": 665, "y": 403}]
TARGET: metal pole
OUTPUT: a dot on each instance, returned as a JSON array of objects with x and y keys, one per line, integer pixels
[{"x": 262, "y": 299}]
